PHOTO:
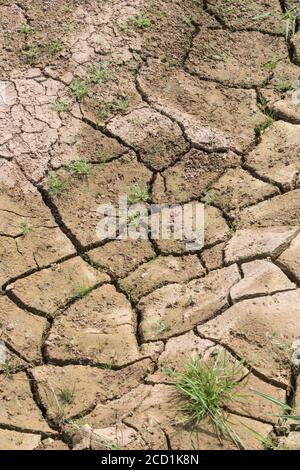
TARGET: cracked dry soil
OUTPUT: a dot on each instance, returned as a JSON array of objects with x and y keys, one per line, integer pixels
[{"x": 197, "y": 102}]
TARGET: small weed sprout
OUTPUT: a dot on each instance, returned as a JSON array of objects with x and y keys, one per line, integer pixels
[
  {"x": 291, "y": 17},
  {"x": 99, "y": 73},
  {"x": 81, "y": 168},
  {"x": 79, "y": 88},
  {"x": 188, "y": 20},
  {"x": 162, "y": 327},
  {"x": 138, "y": 194},
  {"x": 56, "y": 186},
  {"x": 271, "y": 65},
  {"x": 25, "y": 227},
  {"x": 109, "y": 445},
  {"x": 211, "y": 197},
  {"x": 121, "y": 104},
  {"x": 76, "y": 424},
  {"x": 104, "y": 157},
  {"x": 25, "y": 28},
  {"x": 81, "y": 292},
  {"x": 205, "y": 388},
  {"x": 137, "y": 122},
  {"x": 31, "y": 54},
  {"x": 261, "y": 128},
  {"x": 109, "y": 365},
  {"x": 262, "y": 16},
  {"x": 141, "y": 21},
  {"x": 66, "y": 395},
  {"x": 283, "y": 86},
  {"x": 60, "y": 107},
  {"x": 9, "y": 368},
  {"x": 54, "y": 46}
]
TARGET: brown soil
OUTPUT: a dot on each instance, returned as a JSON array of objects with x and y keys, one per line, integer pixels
[{"x": 186, "y": 100}]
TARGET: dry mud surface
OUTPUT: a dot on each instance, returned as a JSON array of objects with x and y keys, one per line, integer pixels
[{"x": 178, "y": 96}]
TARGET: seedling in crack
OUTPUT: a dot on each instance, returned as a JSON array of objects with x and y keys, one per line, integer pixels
[
  {"x": 79, "y": 88},
  {"x": 291, "y": 17},
  {"x": 109, "y": 365},
  {"x": 66, "y": 395},
  {"x": 206, "y": 387},
  {"x": 81, "y": 168},
  {"x": 25, "y": 28},
  {"x": 211, "y": 197},
  {"x": 25, "y": 227},
  {"x": 138, "y": 194},
  {"x": 283, "y": 86},
  {"x": 81, "y": 292},
  {"x": 261, "y": 128},
  {"x": 56, "y": 185},
  {"x": 104, "y": 157}
]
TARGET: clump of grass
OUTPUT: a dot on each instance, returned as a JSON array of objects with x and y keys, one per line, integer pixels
[
  {"x": 25, "y": 28},
  {"x": 60, "y": 107},
  {"x": 25, "y": 227},
  {"x": 109, "y": 365},
  {"x": 138, "y": 194},
  {"x": 261, "y": 128},
  {"x": 141, "y": 21},
  {"x": 81, "y": 168},
  {"x": 79, "y": 88},
  {"x": 56, "y": 185},
  {"x": 205, "y": 388},
  {"x": 99, "y": 73},
  {"x": 121, "y": 104},
  {"x": 81, "y": 292},
  {"x": 66, "y": 395},
  {"x": 291, "y": 17},
  {"x": 283, "y": 86}
]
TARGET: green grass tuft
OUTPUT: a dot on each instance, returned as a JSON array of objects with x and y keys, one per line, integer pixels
[{"x": 206, "y": 387}]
